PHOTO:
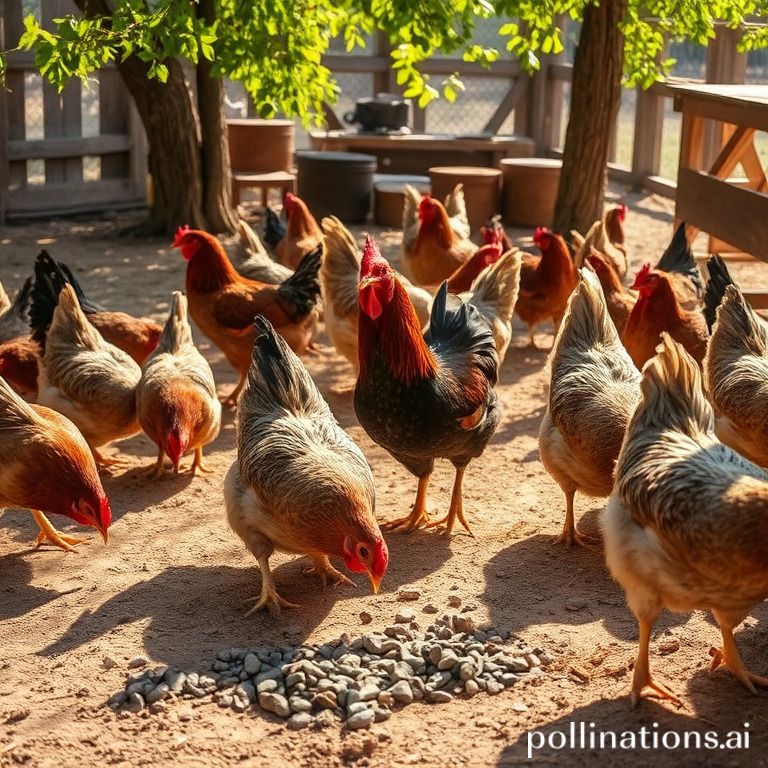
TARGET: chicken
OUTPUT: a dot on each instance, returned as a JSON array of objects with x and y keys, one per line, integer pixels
[
  {"x": 176, "y": 396},
  {"x": 461, "y": 280},
  {"x": 594, "y": 388},
  {"x": 736, "y": 374},
  {"x": 274, "y": 229},
  {"x": 657, "y": 309},
  {"x": 436, "y": 251},
  {"x": 19, "y": 365},
  {"x": 607, "y": 236},
  {"x": 455, "y": 208},
  {"x": 678, "y": 262},
  {"x": 253, "y": 260},
  {"x": 719, "y": 280},
  {"x": 89, "y": 380},
  {"x": 339, "y": 276},
  {"x": 135, "y": 335},
  {"x": 686, "y": 526},
  {"x": 494, "y": 232},
  {"x": 422, "y": 397},
  {"x": 224, "y": 303},
  {"x": 299, "y": 484},
  {"x": 14, "y": 319},
  {"x": 302, "y": 235},
  {"x": 494, "y": 294},
  {"x": 546, "y": 282},
  {"x": 618, "y": 299},
  {"x": 46, "y": 466}
]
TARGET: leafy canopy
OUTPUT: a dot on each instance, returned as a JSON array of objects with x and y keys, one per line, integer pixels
[{"x": 275, "y": 47}]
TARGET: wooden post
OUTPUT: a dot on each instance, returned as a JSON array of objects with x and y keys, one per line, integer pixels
[{"x": 646, "y": 149}]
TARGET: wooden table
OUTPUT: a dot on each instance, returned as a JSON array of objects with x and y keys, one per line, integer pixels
[
  {"x": 732, "y": 211},
  {"x": 416, "y": 153}
]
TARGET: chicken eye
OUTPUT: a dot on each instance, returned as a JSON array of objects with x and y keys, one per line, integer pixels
[{"x": 363, "y": 552}]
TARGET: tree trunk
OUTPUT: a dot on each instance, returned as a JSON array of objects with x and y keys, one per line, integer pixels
[
  {"x": 168, "y": 115},
  {"x": 217, "y": 190},
  {"x": 595, "y": 96}
]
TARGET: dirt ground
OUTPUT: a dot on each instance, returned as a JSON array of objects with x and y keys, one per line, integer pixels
[{"x": 174, "y": 584}]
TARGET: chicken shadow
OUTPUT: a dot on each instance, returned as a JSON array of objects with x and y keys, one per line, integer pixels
[
  {"x": 196, "y": 611},
  {"x": 543, "y": 744},
  {"x": 18, "y": 596},
  {"x": 562, "y": 586}
]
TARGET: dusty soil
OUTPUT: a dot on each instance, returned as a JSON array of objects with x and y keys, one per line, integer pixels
[{"x": 174, "y": 584}]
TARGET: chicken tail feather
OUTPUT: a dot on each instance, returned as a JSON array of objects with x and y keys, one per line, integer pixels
[
  {"x": 177, "y": 333},
  {"x": 738, "y": 327},
  {"x": 498, "y": 285},
  {"x": 719, "y": 279},
  {"x": 302, "y": 288},
  {"x": 673, "y": 394},
  {"x": 678, "y": 257},
  {"x": 20, "y": 306},
  {"x": 274, "y": 229}
]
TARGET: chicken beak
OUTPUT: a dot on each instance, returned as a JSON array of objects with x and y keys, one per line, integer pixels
[
  {"x": 375, "y": 582},
  {"x": 366, "y": 281}
]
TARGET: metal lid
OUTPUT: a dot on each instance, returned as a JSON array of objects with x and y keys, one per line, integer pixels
[{"x": 318, "y": 156}]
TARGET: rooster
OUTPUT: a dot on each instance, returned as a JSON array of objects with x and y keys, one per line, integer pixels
[
  {"x": 339, "y": 275},
  {"x": 436, "y": 251},
  {"x": 299, "y": 484},
  {"x": 135, "y": 335},
  {"x": 224, "y": 303},
  {"x": 594, "y": 387},
  {"x": 302, "y": 236},
  {"x": 607, "y": 236},
  {"x": 546, "y": 282},
  {"x": 686, "y": 526},
  {"x": 678, "y": 262},
  {"x": 455, "y": 207},
  {"x": 176, "y": 396},
  {"x": 45, "y": 466},
  {"x": 736, "y": 370},
  {"x": 657, "y": 309},
  {"x": 86, "y": 378},
  {"x": 422, "y": 397},
  {"x": 253, "y": 260},
  {"x": 14, "y": 319}
]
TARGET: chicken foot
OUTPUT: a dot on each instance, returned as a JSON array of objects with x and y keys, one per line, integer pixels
[
  {"x": 419, "y": 514},
  {"x": 323, "y": 568},
  {"x": 230, "y": 401},
  {"x": 49, "y": 533},
  {"x": 571, "y": 534},
  {"x": 456, "y": 508},
  {"x": 102, "y": 460},
  {"x": 643, "y": 684},
  {"x": 730, "y": 657},
  {"x": 269, "y": 597},
  {"x": 156, "y": 469}
]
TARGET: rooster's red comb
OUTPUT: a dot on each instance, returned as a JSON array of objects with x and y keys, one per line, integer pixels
[
  {"x": 541, "y": 233},
  {"x": 642, "y": 276},
  {"x": 622, "y": 211},
  {"x": 490, "y": 235},
  {"x": 372, "y": 259},
  {"x": 180, "y": 232}
]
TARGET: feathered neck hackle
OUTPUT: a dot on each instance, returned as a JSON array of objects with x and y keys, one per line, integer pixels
[
  {"x": 434, "y": 222},
  {"x": 300, "y": 220},
  {"x": 388, "y": 324},
  {"x": 604, "y": 269},
  {"x": 209, "y": 268}
]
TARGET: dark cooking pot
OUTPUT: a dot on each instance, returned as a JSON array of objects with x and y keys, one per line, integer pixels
[{"x": 382, "y": 111}]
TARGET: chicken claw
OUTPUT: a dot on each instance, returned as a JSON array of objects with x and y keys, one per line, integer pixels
[
  {"x": 197, "y": 464},
  {"x": 643, "y": 684},
  {"x": 323, "y": 568},
  {"x": 729, "y": 657},
  {"x": 105, "y": 462},
  {"x": 419, "y": 514},
  {"x": 49, "y": 534},
  {"x": 456, "y": 509},
  {"x": 269, "y": 597},
  {"x": 573, "y": 536}
]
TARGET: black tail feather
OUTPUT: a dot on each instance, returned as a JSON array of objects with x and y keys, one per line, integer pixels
[
  {"x": 719, "y": 280},
  {"x": 20, "y": 305},
  {"x": 274, "y": 229},
  {"x": 302, "y": 288},
  {"x": 679, "y": 258}
]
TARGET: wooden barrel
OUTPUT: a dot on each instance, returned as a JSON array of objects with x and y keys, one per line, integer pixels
[
  {"x": 529, "y": 190},
  {"x": 336, "y": 184},
  {"x": 481, "y": 189},
  {"x": 261, "y": 146},
  {"x": 388, "y": 198}
]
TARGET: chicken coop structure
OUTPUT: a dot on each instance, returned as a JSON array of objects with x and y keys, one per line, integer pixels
[{"x": 85, "y": 149}]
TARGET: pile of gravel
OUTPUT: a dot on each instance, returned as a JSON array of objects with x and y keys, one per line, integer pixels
[{"x": 358, "y": 681}]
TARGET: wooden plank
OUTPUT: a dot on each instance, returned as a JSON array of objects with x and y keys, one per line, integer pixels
[
  {"x": 114, "y": 110},
  {"x": 649, "y": 122},
  {"x": 690, "y": 142},
  {"x": 66, "y": 147},
  {"x": 561, "y": 72},
  {"x": 730, "y": 154},
  {"x": 719, "y": 105},
  {"x": 516, "y": 90},
  {"x": 65, "y": 197},
  {"x": 734, "y": 214},
  {"x": 658, "y": 185}
]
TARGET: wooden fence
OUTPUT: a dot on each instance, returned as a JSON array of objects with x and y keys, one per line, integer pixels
[
  {"x": 56, "y": 156},
  {"x": 96, "y": 158}
]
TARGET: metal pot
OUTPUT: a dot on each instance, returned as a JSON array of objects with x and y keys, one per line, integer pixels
[{"x": 384, "y": 111}]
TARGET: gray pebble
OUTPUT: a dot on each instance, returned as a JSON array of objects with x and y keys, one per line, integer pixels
[
  {"x": 251, "y": 664},
  {"x": 158, "y": 693},
  {"x": 225, "y": 702},
  {"x": 138, "y": 661},
  {"x": 298, "y": 704},
  {"x": 239, "y": 705},
  {"x": 299, "y": 721},
  {"x": 405, "y": 616},
  {"x": 508, "y": 679},
  {"x": 401, "y": 692},
  {"x": 185, "y": 714},
  {"x": 493, "y": 687},
  {"x": 117, "y": 700},
  {"x": 361, "y": 720},
  {"x": 439, "y": 697},
  {"x": 380, "y": 714},
  {"x": 175, "y": 679},
  {"x": 135, "y": 703},
  {"x": 246, "y": 690},
  {"x": 448, "y": 661},
  {"x": 220, "y": 666},
  {"x": 372, "y": 644},
  {"x": 471, "y": 687},
  {"x": 358, "y": 706},
  {"x": 275, "y": 703},
  {"x": 325, "y": 700},
  {"x": 518, "y": 664}
]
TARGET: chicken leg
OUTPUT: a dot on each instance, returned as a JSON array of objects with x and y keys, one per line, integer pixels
[
  {"x": 730, "y": 657},
  {"x": 456, "y": 508},
  {"x": 571, "y": 534},
  {"x": 643, "y": 684},
  {"x": 419, "y": 515},
  {"x": 323, "y": 568},
  {"x": 49, "y": 533},
  {"x": 156, "y": 469},
  {"x": 197, "y": 464},
  {"x": 269, "y": 597},
  {"x": 230, "y": 401}
]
